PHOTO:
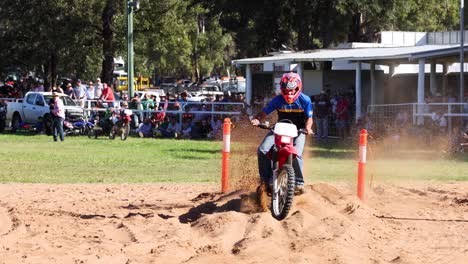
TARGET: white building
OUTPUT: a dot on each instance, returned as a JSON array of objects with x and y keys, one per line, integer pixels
[{"x": 404, "y": 67}]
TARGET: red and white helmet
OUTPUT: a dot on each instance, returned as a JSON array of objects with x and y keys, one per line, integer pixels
[{"x": 291, "y": 86}]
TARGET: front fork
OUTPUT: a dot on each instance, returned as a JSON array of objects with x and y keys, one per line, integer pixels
[{"x": 275, "y": 170}]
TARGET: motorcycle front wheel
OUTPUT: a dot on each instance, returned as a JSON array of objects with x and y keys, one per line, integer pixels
[
  {"x": 112, "y": 133},
  {"x": 91, "y": 133},
  {"x": 125, "y": 131},
  {"x": 283, "y": 192}
]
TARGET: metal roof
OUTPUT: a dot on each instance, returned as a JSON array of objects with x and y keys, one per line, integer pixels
[
  {"x": 357, "y": 54},
  {"x": 448, "y": 51}
]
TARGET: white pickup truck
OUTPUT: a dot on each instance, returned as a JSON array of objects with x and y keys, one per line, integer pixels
[{"x": 35, "y": 105}]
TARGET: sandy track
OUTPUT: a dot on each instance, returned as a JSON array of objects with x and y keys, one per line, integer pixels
[{"x": 196, "y": 224}]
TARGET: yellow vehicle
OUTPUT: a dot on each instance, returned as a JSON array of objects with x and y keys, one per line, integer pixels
[{"x": 140, "y": 83}]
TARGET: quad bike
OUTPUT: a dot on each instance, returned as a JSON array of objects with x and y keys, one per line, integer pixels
[
  {"x": 122, "y": 124},
  {"x": 282, "y": 155}
]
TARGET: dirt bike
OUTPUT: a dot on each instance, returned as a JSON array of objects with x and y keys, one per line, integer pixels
[
  {"x": 122, "y": 124},
  {"x": 69, "y": 129},
  {"x": 102, "y": 125},
  {"x": 282, "y": 155}
]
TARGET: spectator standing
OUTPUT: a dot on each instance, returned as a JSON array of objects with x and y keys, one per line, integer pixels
[
  {"x": 58, "y": 113},
  {"x": 322, "y": 109},
  {"x": 364, "y": 122},
  {"x": 401, "y": 120},
  {"x": 124, "y": 97},
  {"x": 342, "y": 116},
  {"x": 108, "y": 95},
  {"x": 69, "y": 91},
  {"x": 183, "y": 99},
  {"x": 98, "y": 87},
  {"x": 56, "y": 89},
  {"x": 80, "y": 92},
  {"x": 147, "y": 104},
  {"x": 135, "y": 104},
  {"x": 38, "y": 87},
  {"x": 90, "y": 93},
  {"x": 439, "y": 122}
]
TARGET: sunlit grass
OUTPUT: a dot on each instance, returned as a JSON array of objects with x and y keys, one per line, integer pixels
[
  {"x": 37, "y": 159},
  {"x": 79, "y": 159},
  {"x": 338, "y": 162}
]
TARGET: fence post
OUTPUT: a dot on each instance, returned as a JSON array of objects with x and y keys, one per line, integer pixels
[
  {"x": 226, "y": 150},
  {"x": 362, "y": 163}
]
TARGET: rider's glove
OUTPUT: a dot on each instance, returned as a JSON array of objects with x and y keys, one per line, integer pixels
[{"x": 255, "y": 122}]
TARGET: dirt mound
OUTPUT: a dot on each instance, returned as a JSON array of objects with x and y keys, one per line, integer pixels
[
  {"x": 323, "y": 220},
  {"x": 197, "y": 224}
]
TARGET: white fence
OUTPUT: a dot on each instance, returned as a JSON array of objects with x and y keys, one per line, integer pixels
[
  {"x": 212, "y": 108},
  {"x": 386, "y": 114}
]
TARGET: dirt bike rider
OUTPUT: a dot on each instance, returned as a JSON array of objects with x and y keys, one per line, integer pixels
[{"x": 291, "y": 104}]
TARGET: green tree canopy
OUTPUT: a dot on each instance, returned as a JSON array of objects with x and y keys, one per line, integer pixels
[{"x": 194, "y": 38}]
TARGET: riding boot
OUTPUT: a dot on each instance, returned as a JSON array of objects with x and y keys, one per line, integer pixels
[{"x": 262, "y": 196}]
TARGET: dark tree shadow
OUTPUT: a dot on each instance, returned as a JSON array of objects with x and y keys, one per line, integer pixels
[{"x": 233, "y": 203}]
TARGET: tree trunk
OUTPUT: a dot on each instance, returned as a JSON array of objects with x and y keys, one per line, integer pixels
[
  {"x": 327, "y": 24},
  {"x": 355, "y": 31},
  {"x": 53, "y": 69},
  {"x": 303, "y": 21},
  {"x": 50, "y": 71},
  {"x": 107, "y": 42}
]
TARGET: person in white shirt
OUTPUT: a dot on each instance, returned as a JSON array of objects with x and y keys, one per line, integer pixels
[
  {"x": 80, "y": 92},
  {"x": 98, "y": 88}
]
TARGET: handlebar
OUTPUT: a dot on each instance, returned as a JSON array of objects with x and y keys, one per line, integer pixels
[{"x": 266, "y": 125}]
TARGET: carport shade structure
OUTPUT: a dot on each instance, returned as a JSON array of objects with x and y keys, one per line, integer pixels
[{"x": 390, "y": 56}]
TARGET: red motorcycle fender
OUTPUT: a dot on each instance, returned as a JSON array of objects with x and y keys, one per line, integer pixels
[{"x": 284, "y": 153}]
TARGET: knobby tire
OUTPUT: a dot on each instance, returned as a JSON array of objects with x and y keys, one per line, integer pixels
[
  {"x": 125, "y": 131},
  {"x": 285, "y": 194}
]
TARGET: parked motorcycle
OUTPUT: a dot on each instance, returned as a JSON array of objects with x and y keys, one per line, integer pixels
[
  {"x": 282, "y": 155},
  {"x": 70, "y": 129},
  {"x": 121, "y": 124},
  {"x": 84, "y": 126},
  {"x": 102, "y": 124}
]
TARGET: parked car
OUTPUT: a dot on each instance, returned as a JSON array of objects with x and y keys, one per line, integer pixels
[
  {"x": 194, "y": 97},
  {"x": 169, "y": 88},
  {"x": 35, "y": 105},
  {"x": 156, "y": 92},
  {"x": 205, "y": 89}
]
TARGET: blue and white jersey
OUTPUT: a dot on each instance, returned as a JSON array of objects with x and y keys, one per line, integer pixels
[{"x": 297, "y": 112}]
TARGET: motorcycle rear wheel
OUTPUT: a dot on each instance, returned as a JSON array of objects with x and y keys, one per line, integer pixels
[
  {"x": 2, "y": 125},
  {"x": 282, "y": 196},
  {"x": 48, "y": 125}
]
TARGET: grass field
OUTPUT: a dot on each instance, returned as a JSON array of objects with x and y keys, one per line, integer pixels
[
  {"x": 79, "y": 159},
  {"x": 37, "y": 159},
  {"x": 340, "y": 164}
]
